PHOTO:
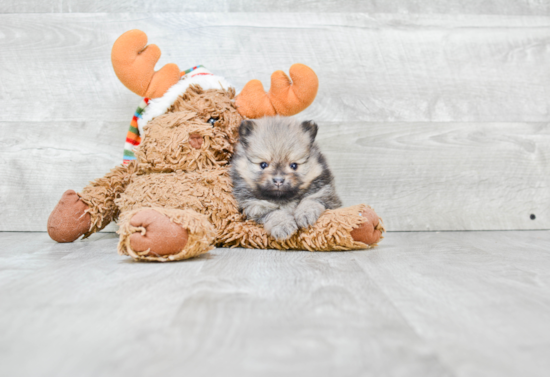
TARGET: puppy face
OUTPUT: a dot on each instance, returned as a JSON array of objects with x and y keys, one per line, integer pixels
[
  {"x": 277, "y": 157},
  {"x": 198, "y": 132}
]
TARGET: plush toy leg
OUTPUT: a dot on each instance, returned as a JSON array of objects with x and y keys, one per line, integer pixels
[
  {"x": 370, "y": 231},
  {"x": 100, "y": 196},
  {"x": 92, "y": 209},
  {"x": 162, "y": 235},
  {"x": 352, "y": 228},
  {"x": 69, "y": 219}
]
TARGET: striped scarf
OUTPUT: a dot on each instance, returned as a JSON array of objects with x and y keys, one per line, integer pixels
[{"x": 133, "y": 138}]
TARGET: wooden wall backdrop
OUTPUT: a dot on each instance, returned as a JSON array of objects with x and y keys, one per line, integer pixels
[{"x": 435, "y": 113}]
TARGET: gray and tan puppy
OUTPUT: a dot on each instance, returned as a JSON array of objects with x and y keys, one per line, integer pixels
[{"x": 280, "y": 177}]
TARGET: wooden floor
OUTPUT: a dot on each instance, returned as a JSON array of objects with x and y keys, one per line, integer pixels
[{"x": 422, "y": 304}]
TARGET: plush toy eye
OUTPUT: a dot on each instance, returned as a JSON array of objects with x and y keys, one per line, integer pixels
[
  {"x": 294, "y": 166},
  {"x": 212, "y": 121},
  {"x": 264, "y": 165}
]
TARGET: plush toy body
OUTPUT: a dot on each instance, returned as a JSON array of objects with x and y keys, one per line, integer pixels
[{"x": 173, "y": 195}]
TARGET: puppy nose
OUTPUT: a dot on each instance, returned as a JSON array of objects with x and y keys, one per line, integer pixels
[
  {"x": 195, "y": 141},
  {"x": 278, "y": 181}
]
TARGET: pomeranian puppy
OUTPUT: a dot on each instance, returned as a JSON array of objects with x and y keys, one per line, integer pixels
[{"x": 280, "y": 177}]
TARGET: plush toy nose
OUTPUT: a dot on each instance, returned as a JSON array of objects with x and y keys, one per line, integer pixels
[{"x": 196, "y": 141}]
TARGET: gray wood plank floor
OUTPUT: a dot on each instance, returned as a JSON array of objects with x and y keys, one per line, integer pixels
[{"x": 422, "y": 304}]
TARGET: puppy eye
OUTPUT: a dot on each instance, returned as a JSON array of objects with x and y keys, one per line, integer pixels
[
  {"x": 264, "y": 165},
  {"x": 212, "y": 121},
  {"x": 294, "y": 166}
]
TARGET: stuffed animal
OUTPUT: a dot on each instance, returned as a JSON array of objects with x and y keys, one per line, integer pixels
[{"x": 172, "y": 195}]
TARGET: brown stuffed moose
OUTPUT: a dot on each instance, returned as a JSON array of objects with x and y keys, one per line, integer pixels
[{"x": 172, "y": 196}]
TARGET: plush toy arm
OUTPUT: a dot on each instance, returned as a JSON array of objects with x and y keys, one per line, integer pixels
[
  {"x": 91, "y": 210},
  {"x": 100, "y": 196}
]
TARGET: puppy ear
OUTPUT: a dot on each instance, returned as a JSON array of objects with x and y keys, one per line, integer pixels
[
  {"x": 245, "y": 130},
  {"x": 310, "y": 127}
]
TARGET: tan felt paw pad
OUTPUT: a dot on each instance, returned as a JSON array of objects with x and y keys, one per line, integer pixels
[
  {"x": 69, "y": 219},
  {"x": 368, "y": 232},
  {"x": 161, "y": 236}
]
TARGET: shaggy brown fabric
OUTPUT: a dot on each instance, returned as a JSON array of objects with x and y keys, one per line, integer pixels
[
  {"x": 208, "y": 193},
  {"x": 167, "y": 146},
  {"x": 100, "y": 196},
  {"x": 212, "y": 103}
]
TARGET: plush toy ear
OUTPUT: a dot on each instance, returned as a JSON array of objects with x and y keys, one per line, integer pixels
[
  {"x": 310, "y": 127},
  {"x": 285, "y": 97},
  {"x": 245, "y": 130},
  {"x": 134, "y": 64}
]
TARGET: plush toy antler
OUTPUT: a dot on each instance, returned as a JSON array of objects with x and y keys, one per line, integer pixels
[
  {"x": 285, "y": 97},
  {"x": 134, "y": 64}
]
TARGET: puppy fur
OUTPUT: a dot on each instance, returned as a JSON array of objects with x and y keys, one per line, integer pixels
[{"x": 280, "y": 177}]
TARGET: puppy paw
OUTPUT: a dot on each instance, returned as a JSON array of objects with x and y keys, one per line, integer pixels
[
  {"x": 280, "y": 225},
  {"x": 308, "y": 213},
  {"x": 284, "y": 231}
]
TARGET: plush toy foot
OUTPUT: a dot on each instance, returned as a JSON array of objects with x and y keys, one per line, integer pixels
[
  {"x": 161, "y": 236},
  {"x": 370, "y": 231},
  {"x": 69, "y": 219},
  {"x": 351, "y": 228},
  {"x": 164, "y": 234}
]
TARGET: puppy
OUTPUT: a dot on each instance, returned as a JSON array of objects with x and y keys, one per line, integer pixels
[{"x": 280, "y": 177}]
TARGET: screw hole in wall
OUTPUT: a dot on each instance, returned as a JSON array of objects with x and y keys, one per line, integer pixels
[{"x": 532, "y": 217}]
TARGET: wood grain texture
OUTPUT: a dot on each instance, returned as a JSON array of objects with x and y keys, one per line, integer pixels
[
  {"x": 40, "y": 160},
  {"x": 480, "y": 299},
  {"x": 88, "y": 312},
  {"x": 422, "y": 304},
  {"x": 444, "y": 176},
  {"x": 492, "y": 7},
  {"x": 372, "y": 67},
  {"x": 64, "y": 113},
  {"x": 418, "y": 176}
]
